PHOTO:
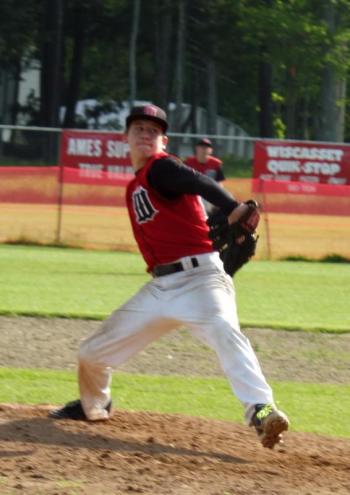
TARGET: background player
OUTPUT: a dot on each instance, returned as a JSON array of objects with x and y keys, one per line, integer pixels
[
  {"x": 189, "y": 285},
  {"x": 203, "y": 161}
]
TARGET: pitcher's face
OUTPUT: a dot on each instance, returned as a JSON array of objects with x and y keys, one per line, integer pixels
[{"x": 145, "y": 138}]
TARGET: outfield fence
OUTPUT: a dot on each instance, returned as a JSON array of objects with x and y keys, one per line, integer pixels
[{"x": 42, "y": 200}]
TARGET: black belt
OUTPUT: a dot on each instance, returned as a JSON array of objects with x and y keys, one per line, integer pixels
[{"x": 161, "y": 270}]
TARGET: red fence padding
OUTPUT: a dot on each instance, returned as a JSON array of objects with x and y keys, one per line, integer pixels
[
  {"x": 290, "y": 187},
  {"x": 29, "y": 185},
  {"x": 303, "y": 198},
  {"x": 50, "y": 185},
  {"x": 42, "y": 185},
  {"x": 93, "y": 188},
  {"x": 83, "y": 195},
  {"x": 95, "y": 177}
]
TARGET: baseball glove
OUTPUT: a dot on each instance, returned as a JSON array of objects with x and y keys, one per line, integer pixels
[{"x": 237, "y": 242}]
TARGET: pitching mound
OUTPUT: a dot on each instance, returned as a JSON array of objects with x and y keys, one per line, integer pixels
[{"x": 159, "y": 454}]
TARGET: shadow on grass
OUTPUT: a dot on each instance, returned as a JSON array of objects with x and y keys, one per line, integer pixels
[{"x": 329, "y": 258}]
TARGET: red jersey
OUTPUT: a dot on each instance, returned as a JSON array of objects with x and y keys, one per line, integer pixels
[
  {"x": 165, "y": 229},
  {"x": 212, "y": 167}
]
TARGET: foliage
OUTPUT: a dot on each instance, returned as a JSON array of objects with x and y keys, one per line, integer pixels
[
  {"x": 18, "y": 28},
  {"x": 292, "y": 36},
  {"x": 237, "y": 167}
]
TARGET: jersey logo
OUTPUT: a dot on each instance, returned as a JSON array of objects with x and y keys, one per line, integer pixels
[{"x": 143, "y": 208}]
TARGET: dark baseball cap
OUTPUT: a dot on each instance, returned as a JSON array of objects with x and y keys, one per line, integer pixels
[
  {"x": 148, "y": 112},
  {"x": 205, "y": 142}
]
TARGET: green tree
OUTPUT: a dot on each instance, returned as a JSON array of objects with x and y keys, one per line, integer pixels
[
  {"x": 19, "y": 25},
  {"x": 336, "y": 17},
  {"x": 96, "y": 52}
]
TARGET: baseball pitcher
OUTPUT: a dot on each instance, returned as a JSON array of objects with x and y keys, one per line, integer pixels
[{"x": 191, "y": 260}]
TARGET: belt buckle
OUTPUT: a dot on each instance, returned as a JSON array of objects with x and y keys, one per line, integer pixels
[
  {"x": 187, "y": 263},
  {"x": 184, "y": 264}
]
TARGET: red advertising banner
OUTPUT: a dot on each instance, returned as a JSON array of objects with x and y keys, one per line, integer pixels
[
  {"x": 303, "y": 198},
  {"x": 302, "y": 162},
  {"x": 96, "y": 155}
]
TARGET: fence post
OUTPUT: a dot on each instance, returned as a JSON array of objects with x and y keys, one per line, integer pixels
[
  {"x": 60, "y": 193},
  {"x": 266, "y": 217}
]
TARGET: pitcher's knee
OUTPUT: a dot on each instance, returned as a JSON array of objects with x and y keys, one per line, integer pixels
[
  {"x": 227, "y": 336},
  {"x": 86, "y": 352},
  {"x": 225, "y": 328},
  {"x": 94, "y": 355}
]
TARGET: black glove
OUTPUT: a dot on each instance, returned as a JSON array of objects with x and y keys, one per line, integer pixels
[{"x": 237, "y": 242}]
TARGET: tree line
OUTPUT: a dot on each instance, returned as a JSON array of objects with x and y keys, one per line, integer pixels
[{"x": 277, "y": 68}]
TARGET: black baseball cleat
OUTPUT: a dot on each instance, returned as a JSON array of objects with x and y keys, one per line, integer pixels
[
  {"x": 269, "y": 424},
  {"x": 74, "y": 410}
]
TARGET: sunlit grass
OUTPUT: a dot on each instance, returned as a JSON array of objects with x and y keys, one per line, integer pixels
[
  {"x": 43, "y": 281},
  {"x": 310, "y": 406}
]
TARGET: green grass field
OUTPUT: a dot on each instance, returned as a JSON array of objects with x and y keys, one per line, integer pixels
[
  {"x": 310, "y": 406},
  {"x": 44, "y": 281}
]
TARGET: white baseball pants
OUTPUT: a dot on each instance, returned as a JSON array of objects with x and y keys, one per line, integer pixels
[{"x": 202, "y": 299}]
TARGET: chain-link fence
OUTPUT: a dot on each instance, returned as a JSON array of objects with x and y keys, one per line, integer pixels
[{"x": 43, "y": 202}]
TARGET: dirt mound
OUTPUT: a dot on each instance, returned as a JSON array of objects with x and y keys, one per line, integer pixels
[{"x": 157, "y": 454}]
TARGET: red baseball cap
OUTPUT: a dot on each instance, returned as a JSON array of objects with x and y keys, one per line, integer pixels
[{"x": 148, "y": 112}]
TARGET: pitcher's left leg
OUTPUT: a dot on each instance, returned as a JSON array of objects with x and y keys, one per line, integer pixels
[
  {"x": 217, "y": 325},
  {"x": 248, "y": 383},
  {"x": 208, "y": 307},
  {"x": 238, "y": 361}
]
